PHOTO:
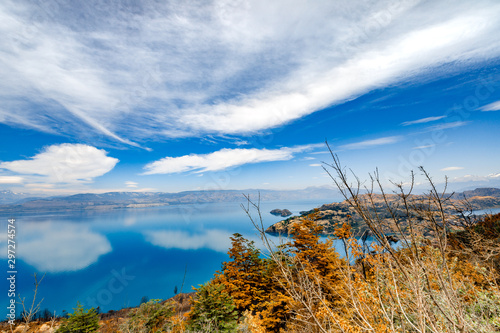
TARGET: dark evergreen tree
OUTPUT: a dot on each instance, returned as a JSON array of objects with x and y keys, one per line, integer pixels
[
  {"x": 80, "y": 321},
  {"x": 213, "y": 310}
]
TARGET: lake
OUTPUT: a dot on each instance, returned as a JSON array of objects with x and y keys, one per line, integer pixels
[
  {"x": 487, "y": 211},
  {"x": 113, "y": 258}
]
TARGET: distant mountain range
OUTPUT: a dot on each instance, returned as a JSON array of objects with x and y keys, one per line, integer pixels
[
  {"x": 9, "y": 197},
  {"x": 479, "y": 192},
  {"x": 21, "y": 202}
]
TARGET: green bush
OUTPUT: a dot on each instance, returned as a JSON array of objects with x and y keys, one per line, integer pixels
[
  {"x": 484, "y": 313},
  {"x": 150, "y": 317},
  {"x": 80, "y": 321},
  {"x": 213, "y": 310}
]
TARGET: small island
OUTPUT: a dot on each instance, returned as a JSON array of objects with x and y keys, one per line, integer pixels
[{"x": 281, "y": 212}]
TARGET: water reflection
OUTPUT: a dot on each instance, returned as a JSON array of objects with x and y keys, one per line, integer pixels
[
  {"x": 217, "y": 240},
  {"x": 58, "y": 247},
  {"x": 80, "y": 250}
]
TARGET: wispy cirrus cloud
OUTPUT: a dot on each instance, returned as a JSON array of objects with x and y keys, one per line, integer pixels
[
  {"x": 222, "y": 159},
  {"x": 424, "y": 146},
  {"x": 64, "y": 163},
  {"x": 452, "y": 168},
  {"x": 495, "y": 106},
  {"x": 140, "y": 70},
  {"x": 372, "y": 143},
  {"x": 422, "y": 120},
  {"x": 445, "y": 126}
]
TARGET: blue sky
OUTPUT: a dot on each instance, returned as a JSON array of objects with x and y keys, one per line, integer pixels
[{"x": 188, "y": 95}]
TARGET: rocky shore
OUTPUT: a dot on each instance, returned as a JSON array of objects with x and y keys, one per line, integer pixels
[{"x": 334, "y": 214}]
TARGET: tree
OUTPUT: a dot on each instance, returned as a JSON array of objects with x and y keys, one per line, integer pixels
[
  {"x": 151, "y": 317},
  {"x": 408, "y": 280},
  {"x": 250, "y": 281},
  {"x": 80, "y": 321},
  {"x": 213, "y": 310},
  {"x": 312, "y": 275},
  {"x": 306, "y": 279},
  {"x": 29, "y": 312},
  {"x": 243, "y": 276},
  {"x": 421, "y": 285}
]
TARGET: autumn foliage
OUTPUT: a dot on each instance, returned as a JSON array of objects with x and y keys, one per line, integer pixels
[
  {"x": 417, "y": 271},
  {"x": 304, "y": 285},
  {"x": 421, "y": 272}
]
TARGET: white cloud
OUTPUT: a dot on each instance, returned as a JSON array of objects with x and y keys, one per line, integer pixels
[
  {"x": 495, "y": 106},
  {"x": 131, "y": 184},
  {"x": 477, "y": 178},
  {"x": 222, "y": 159},
  {"x": 422, "y": 121},
  {"x": 11, "y": 180},
  {"x": 65, "y": 163},
  {"x": 315, "y": 165},
  {"x": 217, "y": 240},
  {"x": 425, "y": 146},
  {"x": 452, "y": 168},
  {"x": 136, "y": 71},
  {"x": 372, "y": 143},
  {"x": 444, "y": 126},
  {"x": 324, "y": 152}
]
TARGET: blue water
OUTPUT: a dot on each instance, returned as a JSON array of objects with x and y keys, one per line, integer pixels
[
  {"x": 487, "y": 211},
  {"x": 113, "y": 258}
]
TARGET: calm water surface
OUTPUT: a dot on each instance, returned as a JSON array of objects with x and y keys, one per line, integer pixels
[{"x": 113, "y": 258}]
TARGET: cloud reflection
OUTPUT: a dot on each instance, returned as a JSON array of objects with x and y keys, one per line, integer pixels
[
  {"x": 217, "y": 240},
  {"x": 59, "y": 247}
]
